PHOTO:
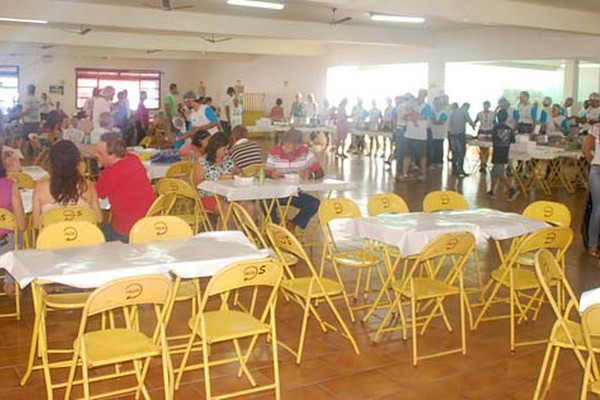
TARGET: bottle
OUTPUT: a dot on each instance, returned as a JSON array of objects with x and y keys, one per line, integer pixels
[{"x": 261, "y": 176}]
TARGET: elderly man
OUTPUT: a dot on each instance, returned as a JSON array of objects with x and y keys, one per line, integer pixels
[
  {"x": 125, "y": 182},
  {"x": 294, "y": 157},
  {"x": 203, "y": 117},
  {"x": 243, "y": 151},
  {"x": 102, "y": 105}
]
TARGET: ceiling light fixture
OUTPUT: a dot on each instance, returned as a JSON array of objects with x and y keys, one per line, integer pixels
[
  {"x": 27, "y": 21},
  {"x": 396, "y": 18},
  {"x": 256, "y": 4}
]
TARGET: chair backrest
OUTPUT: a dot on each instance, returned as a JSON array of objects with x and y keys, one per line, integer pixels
[
  {"x": 552, "y": 212},
  {"x": 556, "y": 239},
  {"x": 248, "y": 226},
  {"x": 549, "y": 273},
  {"x": 162, "y": 205},
  {"x": 590, "y": 323},
  {"x": 23, "y": 180},
  {"x": 331, "y": 209},
  {"x": 68, "y": 213},
  {"x": 180, "y": 170},
  {"x": 177, "y": 186},
  {"x": 159, "y": 228},
  {"x": 43, "y": 159},
  {"x": 284, "y": 241},
  {"x": 252, "y": 170},
  {"x": 444, "y": 200},
  {"x": 186, "y": 202},
  {"x": 69, "y": 234},
  {"x": 386, "y": 203},
  {"x": 9, "y": 222}
]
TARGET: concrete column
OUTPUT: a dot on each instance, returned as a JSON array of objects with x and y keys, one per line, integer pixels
[
  {"x": 571, "y": 79},
  {"x": 437, "y": 78}
]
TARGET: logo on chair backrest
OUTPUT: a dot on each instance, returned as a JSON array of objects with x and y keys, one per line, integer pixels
[
  {"x": 160, "y": 228},
  {"x": 68, "y": 215},
  {"x": 253, "y": 271},
  {"x": 282, "y": 239},
  {"x": 550, "y": 238},
  {"x": 445, "y": 199},
  {"x": 133, "y": 291},
  {"x": 451, "y": 244},
  {"x": 385, "y": 202},
  {"x": 70, "y": 233},
  {"x": 338, "y": 207},
  {"x": 548, "y": 211},
  {"x": 174, "y": 187}
]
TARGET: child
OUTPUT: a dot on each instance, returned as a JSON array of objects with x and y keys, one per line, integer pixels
[
  {"x": 180, "y": 135},
  {"x": 502, "y": 137}
]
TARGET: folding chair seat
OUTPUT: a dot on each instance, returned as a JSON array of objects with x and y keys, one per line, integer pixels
[
  {"x": 252, "y": 170},
  {"x": 123, "y": 343},
  {"x": 520, "y": 280},
  {"x": 212, "y": 326},
  {"x": 566, "y": 333},
  {"x": 590, "y": 321},
  {"x": 359, "y": 259},
  {"x": 55, "y": 236},
  {"x": 308, "y": 290},
  {"x": 23, "y": 180},
  {"x": 436, "y": 274}
]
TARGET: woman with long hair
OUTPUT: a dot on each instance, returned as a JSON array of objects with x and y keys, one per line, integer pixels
[
  {"x": 10, "y": 199},
  {"x": 66, "y": 186}
]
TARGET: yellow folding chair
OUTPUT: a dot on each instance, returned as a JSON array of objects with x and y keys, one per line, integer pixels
[
  {"x": 551, "y": 212},
  {"x": 434, "y": 276},
  {"x": 68, "y": 213},
  {"x": 520, "y": 280},
  {"x": 55, "y": 236},
  {"x": 187, "y": 205},
  {"x": 23, "y": 180},
  {"x": 8, "y": 222},
  {"x": 386, "y": 203},
  {"x": 566, "y": 333},
  {"x": 252, "y": 170},
  {"x": 162, "y": 205},
  {"x": 590, "y": 321},
  {"x": 180, "y": 170},
  {"x": 444, "y": 200},
  {"x": 361, "y": 259},
  {"x": 43, "y": 159},
  {"x": 121, "y": 344},
  {"x": 306, "y": 291},
  {"x": 223, "y": 324}
]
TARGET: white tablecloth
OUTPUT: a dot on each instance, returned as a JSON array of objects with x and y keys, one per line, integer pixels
[
  {"x": 35, "y": 172},
  {"x": 589, "y": 298},
  {"x": 412, "y": 231},
  {"x": 27, "y": 196},
  {"x": 232, "y": 191},
  {"x": 156, "y": 170},
  {"x": 283, "y": 128},
  {"x": 93, "y": 266},
  {"x": 325, "y": 185}
]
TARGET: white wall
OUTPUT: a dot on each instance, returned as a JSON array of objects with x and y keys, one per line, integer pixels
[
  {"x": 275, "y": 76},
  {"x": 61, "y": 70}
]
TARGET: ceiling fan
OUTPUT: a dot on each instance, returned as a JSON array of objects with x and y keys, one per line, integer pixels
[
  {"x": 215, "y": 39},
  {"x": 152, "y": 51},
  {"x": 81, "y": 31},
  {"x": 340, "y": 21},
  {"x": 165, "y": 5}
]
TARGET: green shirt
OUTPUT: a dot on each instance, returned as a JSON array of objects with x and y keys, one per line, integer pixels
[{"x": 170, "y": 100}]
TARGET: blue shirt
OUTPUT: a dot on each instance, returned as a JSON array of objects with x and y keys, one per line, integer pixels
[
  {"x": 179, "y": 143},
  {"x": 211, "y": 115}
]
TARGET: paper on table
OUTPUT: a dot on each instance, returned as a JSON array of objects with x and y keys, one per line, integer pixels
[{"x": 589, "y": 298}]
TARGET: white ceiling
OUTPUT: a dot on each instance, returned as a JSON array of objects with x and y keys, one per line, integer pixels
[{"x": 454, "y": 29}]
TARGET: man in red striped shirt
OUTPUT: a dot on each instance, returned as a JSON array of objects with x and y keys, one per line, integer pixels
[{"x": 294, "y": 157}]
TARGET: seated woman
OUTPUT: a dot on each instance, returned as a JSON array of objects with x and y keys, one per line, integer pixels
[
  {"x": 51, "y": 130},
  {"x": 214, "y": 166},
  {"x": 66, "y": 186},
  {"x": 196, "y": 148},
  {"x": 10, "y": 199}
]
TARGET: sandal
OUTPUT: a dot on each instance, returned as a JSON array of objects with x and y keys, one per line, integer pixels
[{"x": 594, "y": 252}]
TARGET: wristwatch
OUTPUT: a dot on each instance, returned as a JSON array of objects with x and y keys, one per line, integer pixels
[{"x": 313, "y": 175}]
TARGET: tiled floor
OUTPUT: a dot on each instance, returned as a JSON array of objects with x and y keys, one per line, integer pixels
[{"x": 330, "y": 370}]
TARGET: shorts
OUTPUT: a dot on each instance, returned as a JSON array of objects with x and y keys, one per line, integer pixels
[
  {"x": 210, "y": 204},
  {"x": 415, "y": 147},
  {"x": 498, "y": 170}
]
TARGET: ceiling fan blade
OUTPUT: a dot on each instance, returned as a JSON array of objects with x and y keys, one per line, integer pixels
[
  {"x": 85, "y": 31},
  {"x": 341, "y": 21},
  {"x": 183, "y": 7}
]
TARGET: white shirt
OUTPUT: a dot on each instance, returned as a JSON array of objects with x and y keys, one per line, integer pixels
[
  {"x": 236, "y": 116},
  {"x": 199, "y": 118},
  {"x": 101, "y": 105},
  {"x": 595, "y": 132},
  {"x": 486, "y": 120},
  {"x": 96, "y": 133}
]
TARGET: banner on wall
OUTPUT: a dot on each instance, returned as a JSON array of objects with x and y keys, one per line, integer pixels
[{"x": 57, "y": 89}]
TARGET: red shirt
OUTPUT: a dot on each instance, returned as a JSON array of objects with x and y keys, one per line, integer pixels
[{"x": 129, "y": 192}]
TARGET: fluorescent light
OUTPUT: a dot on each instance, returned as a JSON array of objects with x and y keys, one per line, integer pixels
[
  {"x": 28, "y": 21},
  {"x": 256, "y": 4},
  {"x": 397, "y": 18}
]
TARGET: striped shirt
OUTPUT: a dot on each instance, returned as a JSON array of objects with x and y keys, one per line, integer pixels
[
  {"x": 301, "y": 160},
  {"x": 245, "y": 153}
]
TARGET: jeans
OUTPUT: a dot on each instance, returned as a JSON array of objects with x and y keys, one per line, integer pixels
[
  {"x": 307, "y": 204},
  {"x": 112, "y": 236},
  {"x": 436, "y": 151},
  {"x": 398, "y": 139},
  {"x": 594, "y": 223},
  {"x": 458, "y": 143}
]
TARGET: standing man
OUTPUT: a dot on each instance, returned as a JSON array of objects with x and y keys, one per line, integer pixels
[
  {"x": 525, "y": 114},
  {"x": 125, "y": 182},
  {"x": 228, "y": 110},
  {"x": 102, "y": 105},
  {"x": 170, "y": 108},
  {"x": 459, "y": 117},
  {"x": 31, "y": 111},
  {"x": 203, "y": 117}
]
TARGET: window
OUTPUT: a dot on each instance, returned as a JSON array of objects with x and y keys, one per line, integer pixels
[
  {"x": 9, "y": 86},
  {"x": 133, "y": 81}
]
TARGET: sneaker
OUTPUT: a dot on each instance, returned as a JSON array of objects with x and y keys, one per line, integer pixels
[
  {"x": 490, "y": 194},
  {"x": 513, "y": 194}
]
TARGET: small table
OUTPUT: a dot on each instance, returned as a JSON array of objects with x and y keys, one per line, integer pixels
[{"x": 37, "y": 173}]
